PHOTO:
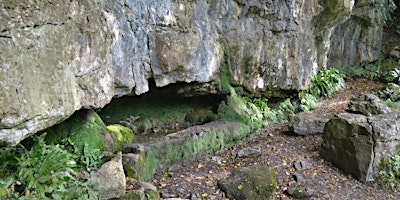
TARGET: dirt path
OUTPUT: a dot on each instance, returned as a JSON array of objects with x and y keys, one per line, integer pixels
[{"x": 281, "y": 151}]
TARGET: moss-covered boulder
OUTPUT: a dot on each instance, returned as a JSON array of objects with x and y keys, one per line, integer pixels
[
  {"x": 120, "y": 135},
  {"x": 84, "y": 130},
  {"x": 255, "y": 183}
]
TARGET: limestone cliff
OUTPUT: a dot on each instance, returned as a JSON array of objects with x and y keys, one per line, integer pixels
[{"x": 58, "y": 56}]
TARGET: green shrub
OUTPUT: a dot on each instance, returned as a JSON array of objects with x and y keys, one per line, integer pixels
[
  {"x": 326, "y": 82},
  {"x": 392, "y": 92},
  {"x": 253, "y": 112},
  {"x": 389, "y": 176},
  {"x": 382, "y": 70},
  {"x": 238, "y": 109},
  {"x": 284, "y": 109},
  {"x": 307, "y": 102},
  {"x": 45, "y": 172}
]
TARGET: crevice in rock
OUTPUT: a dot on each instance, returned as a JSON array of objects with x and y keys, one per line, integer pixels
[{"x": 373, "y": 156}]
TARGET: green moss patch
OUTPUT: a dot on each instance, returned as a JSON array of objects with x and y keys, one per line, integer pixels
[
  {"x": 83, "y": 134},
  {"x": 120, "y": 135}
]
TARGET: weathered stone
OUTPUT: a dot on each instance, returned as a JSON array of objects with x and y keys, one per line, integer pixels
[
  {"x": 249, "y": 152},
  {"x": 299, "y": 178},
  {"x": 62, "y": 56},
  {"x": 54, "y": 60},
  {"x": 308, "y": 123},
  {"x": 150, "y": 190},
  {"x": 395, "y": 52},
  {"x": 368, "y": 104},
  {"x": 302, "y": 193},
  {"x": 386, "y": 136},
  {"x": 300, "y": 164},
  {"x": 357, "y": 144},
  {"x": 178, "y": 147},
  {"x": 112, "y": 178},
  {"x": 258, "y": 183},
  {"x": 133, "y": 194}
]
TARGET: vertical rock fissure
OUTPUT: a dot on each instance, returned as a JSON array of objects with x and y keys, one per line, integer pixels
[{"x": 371, "y": 167}]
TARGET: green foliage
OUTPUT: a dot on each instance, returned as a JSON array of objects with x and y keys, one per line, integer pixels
[
  {"x": 238, "y": 109},
  {"x": 82, "y": 135},
  {"x": 392, "y": 92},
  {"x": 307, "y": 102},
  {"x": 326, "y": 82},
  {"x": 91, "y": 157},
  {"x": 378, "y": 70},
  {"x": 45, "y": 172},
  {"x": 395, "y": 75},
  {"x": 284, "y": 109},
  {"x": 389, "y": 176},
  {"x": 384, "y": 8},
  {"x": 253, "y": 112},
  {"x": 394, "y": 105}
]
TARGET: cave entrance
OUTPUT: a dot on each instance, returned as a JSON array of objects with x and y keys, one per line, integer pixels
[{"x": 162, "y": 110}]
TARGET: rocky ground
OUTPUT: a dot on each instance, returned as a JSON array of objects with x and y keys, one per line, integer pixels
[{"x": 295, "y": 159}]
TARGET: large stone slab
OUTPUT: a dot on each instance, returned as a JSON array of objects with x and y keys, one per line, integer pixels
[
  {"x": 357, "y": 144},
  {"x": 308, "y": 123}
]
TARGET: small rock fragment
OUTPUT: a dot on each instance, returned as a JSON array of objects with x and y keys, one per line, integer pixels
[{"x": 249, "y": 152}]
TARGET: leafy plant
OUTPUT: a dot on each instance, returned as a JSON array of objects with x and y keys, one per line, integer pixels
[
  {"x": 307, "y": 102},
  {"x": 253, "y": 112},
  {"x": 389, "y": 176},
  {"x": 392, "y": 92},
  {"x": 378, "y": 70},
  {"x": 392, "y": 104},
  {"x": 46, "y": 172},
  {"x": 284, "y": 109},
  {"x": 326, "y": 82},
  {"x": 91, "y": 157},
  {"x": 395, "y": 75}
]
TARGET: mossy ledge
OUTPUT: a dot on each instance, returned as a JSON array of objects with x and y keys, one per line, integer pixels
[{"x": 142, "y": 160}]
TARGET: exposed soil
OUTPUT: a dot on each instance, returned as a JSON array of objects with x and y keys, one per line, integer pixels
[{"x": 279, "y": 150}]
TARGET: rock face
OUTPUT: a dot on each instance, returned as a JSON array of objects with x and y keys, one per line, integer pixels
[
  {"x": 54, "y": 60},
  {"x": 357, "y": 144},
  {"x": 61, "y": 56}
]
